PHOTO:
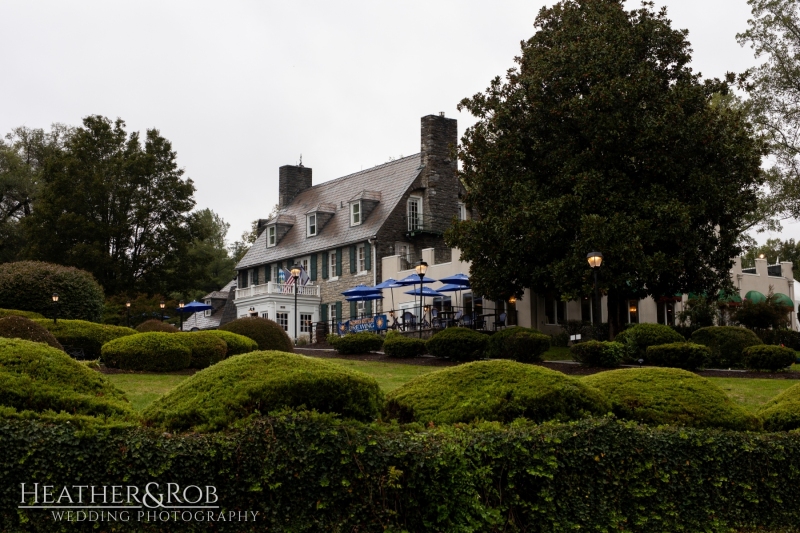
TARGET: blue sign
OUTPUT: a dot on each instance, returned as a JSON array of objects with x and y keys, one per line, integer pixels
[{"x": 355, "y": 325}]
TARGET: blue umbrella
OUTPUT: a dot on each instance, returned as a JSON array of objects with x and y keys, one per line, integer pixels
[
  {"x": 451, "y": 287},
  {"x": 413, "y": 279},
  {"x": 390, "y": 284},
  {"x": 426, "y": 291},
  {"x": 360, "y": 290},
  {"x": 193, "y": 307},
  {"x": 457, "y": 279},
  {"x": 364, "y": 298}
]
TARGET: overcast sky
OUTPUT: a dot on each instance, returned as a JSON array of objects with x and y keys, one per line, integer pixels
[{"x": 243, "y": 87}]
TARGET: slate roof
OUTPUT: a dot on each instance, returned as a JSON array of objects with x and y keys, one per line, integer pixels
[{"x": 391, "y": 180}]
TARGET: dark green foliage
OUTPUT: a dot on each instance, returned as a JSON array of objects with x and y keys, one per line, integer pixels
[
  {"x": 356, "y": 343},
  {"x": 727, "y": 344},
  {"x": 153, "y": 352},
  {"x": 639, "y": 337},
  {"x": 35, "y": 377},
  {"x": 156, "y": 325},
  {"x": 596, "y": 353},
  {"x": 762, "y": 315},
  {"x": 206, "y": 349},
  {"x": 560, "y": 339},
  {"x": 658, "y": 396},
  {"x": 782, "y": 413},
  {"x": 685, "y": 355},
  {"x": 765, "y": 357},
  {"x": 525, "y": 345},
  {"x": 237, "y": 344},
  {"x": 598, "y": 332},
  {"x": 25, "y": 314},
  {"x": 397, "y": 345},
  {"x": 458, "y": 344},
  {"x": 29, "y": 286},
  {"x": 698, "y": 312},
  {"x": 87, "y": 336},
  {"x": 268, "y": 334},
  {"x": 495, "y": 391},
  {"x": 780, "y": 337},
  {"x": 260, "y": 382},
  {"x": 17, "y": 327}
]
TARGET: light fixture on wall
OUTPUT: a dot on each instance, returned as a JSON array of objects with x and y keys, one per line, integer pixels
[{"x": 595, "y": 260}]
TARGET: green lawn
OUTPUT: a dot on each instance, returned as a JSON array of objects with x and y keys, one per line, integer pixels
[
  {"x": 557, "y": 353},
  {"x": 143, "y": 389},
  {"x": 753, "y": 393}
]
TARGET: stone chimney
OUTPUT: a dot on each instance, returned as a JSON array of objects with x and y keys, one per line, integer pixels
[
  {"x": 292, "y": 180},
  {"x": 439, "y": 174}
]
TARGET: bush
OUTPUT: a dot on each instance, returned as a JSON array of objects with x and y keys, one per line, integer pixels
[
  {"x": 17, "y": 327},
  {"x": 525, "y": 345},
  {"x": 780, "y": 337},
  {"x": 206, "y": 349},
  {"x": 24, "y": 314},
  {"x": 39, "y": 379},
  {"x": 765, "y": 357},
  {"x": 638, "y": 337},
  {"x": 685, "y": 355},
  {"x": 598, "y": 332},
  {"x": 260, "y": 382},
  {"x": 727, "y": 344},
  {"x": 86, "y": 336},
  {"x": 29, "y": 286},
  {"x": 459, "y": 344},
  {"x": 153, "y": 352},
  {"x": 396, "y": 345},
  {"x": 356, "y": 343},
  {"x": 658, "y": 396},
  {"x": 560, "y": 339},
  {"x": 494, "y": 391},
  {"x": 156, "y": 325},
  {"x": 268, "y": 334},
  {"x": 782, "y": 413},
  {"x": 237, "y": 344},
  {"x": 596, "y": 353}
]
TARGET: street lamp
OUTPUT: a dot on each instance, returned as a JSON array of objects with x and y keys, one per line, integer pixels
[
  {"x": 128, "y": 313},
  {"x": 180, "y": 312},
  {"x": 595, "y": 260},
  {"x": 162, "y": 305},
  {"x": 421, "y": 269},
  {"x": 55, "y": 308},
  {"x": 296, "y": 276}
]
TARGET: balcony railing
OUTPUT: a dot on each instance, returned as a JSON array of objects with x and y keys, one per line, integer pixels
[{"x": 276, "y": 288}]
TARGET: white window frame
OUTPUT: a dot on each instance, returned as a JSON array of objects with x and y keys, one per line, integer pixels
[
  {"x": 305, "y": 262},
  {"x": 273, "y": 273},
  {"x": 208, "y": 311},
  {"x": 356, "y": 213},
  {"x": 462, "y": 211},
  {"x": 361, "y": 259},
  {"x": 332, "y": 316},
  {"x": 415, "y": 223},
  {"x": 272, "y": 236},
  {"x": 282, "y": 318},
  {"x": 361, "y": 307},
  {"x": 332, "y": 266},
  {"x": 311, "y": 225},
  {"x": 265, "y": 315},
  {"x": 306, "y": 323}
]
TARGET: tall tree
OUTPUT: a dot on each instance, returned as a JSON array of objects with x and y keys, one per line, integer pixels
[
  {"x": 209, "y": 267},
  {"x": 604, "y": 139},
  {"x": 115, "y": 206}
]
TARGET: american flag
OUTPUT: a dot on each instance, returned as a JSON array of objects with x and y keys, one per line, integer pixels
[{"x": 287, "y": 285}]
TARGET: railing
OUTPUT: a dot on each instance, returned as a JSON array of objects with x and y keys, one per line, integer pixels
[{"x": 276, "y": 288}]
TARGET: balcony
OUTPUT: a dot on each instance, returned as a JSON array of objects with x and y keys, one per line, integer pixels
[{"x": 276, "y": 289}]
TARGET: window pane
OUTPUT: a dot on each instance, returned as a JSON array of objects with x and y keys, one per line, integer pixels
[
  {"x": 332, "y": 264},
  {"x": 283, "y": 320},
  {"x": 661, "y": 316},
  {"x": 633, "y": 310},
  {"x": 305, "y": 323},
  {"x": 414, "y": 221},
  {"x": 549, "y": 310},
  {"x": 561, "y": 311},
  {"x": 586, "y": 309}
]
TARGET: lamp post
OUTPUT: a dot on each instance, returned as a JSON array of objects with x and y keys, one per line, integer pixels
[
  {"x": 421, "y": 269},
  {"x": 55, "y": 308},
  {"x": 180, "y": 312},
  {"x": 295, "y": 276},
  {"x": 128, "y": 313},
  {"x": 595, "y": 259},
  {"x": 162, "y": 305}
]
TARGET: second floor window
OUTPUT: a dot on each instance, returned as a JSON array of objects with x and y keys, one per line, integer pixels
[
  {"x": 355, "y": 213},
  {"x": 271, "y": 234},
  {"x": 312, "y": 225},
  {"x": 332, "y": 264},
  {"x": 361, "y": 258},
  {"x": 462, "y": 211},
  {"x": 414, "y": 213}
]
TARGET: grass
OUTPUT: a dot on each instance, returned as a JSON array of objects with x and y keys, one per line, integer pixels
[
  {"x": 388, "y": 375},
  {"x": 143, "y": 389},
  {"x": 752, "y": 393},
  {"x": 557, "y": 353}
]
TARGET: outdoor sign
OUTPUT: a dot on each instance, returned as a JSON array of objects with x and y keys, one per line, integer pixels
[{"x": 354, "y": 325}]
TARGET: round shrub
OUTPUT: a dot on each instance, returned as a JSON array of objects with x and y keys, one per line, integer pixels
[
  {"x": 153, "y": 352},
  {"x": 24, "y": 314},
  {"x": 206, "y": 349},
  {"x": 268, "y": 334},
  {"x": 356, "y": 343},
  {"x": 396, "y": 345},
  {"x": 781, "y": 337},
  {"x": 495, "y": 391},
  {"x": 29, "y": 286},
  {"x": 685, "y": 355},
  {"x": 658, "y": 396},
  {"x": 782, "y": 413},
  {"x": 459, "y": 344},
  {"x": 155, "y": 325},
  {"x": 37, "y": 378},
  {"x": 727, "y": 344},
  {"x": 595, "y": 353},
  {"x": 17, "y": 327},
  {"x": 237, "y": 344},
  {"x": 638, "y": 337},
  {"x": 86, "y": 336},
  {"x": 260, "y": 382},
  {"x": 764, "y": 357},
  {"x": 525, "y": 345}
]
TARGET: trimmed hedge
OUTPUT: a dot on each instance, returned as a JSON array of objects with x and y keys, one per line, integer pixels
[
  {"x": 766, "y": 357},
  {"x": 260, "y": 382},
  {"x": 24, "y": 314},
  {"x": 496, "y": 391},
  {"x": 237, "y": 344},
  {"x": 638, "y": 337},
  {"x": 397, "y": 345},
  {"x": 458, "y": 344},
  {"x": 525, "y": 345},
  {"x": 670, "y": 396},
  {"x": 17, "y": 327},
  {"x": 685, "y": 355},
  {"x": 152, "y": 352},
  {"x": 727, "y": 344},
  {"x": 87, "y": 336},
  {"x": 356, "y": 343},
  {"x": 29, "y": 286},
  {"x": 156, "y": 325},
  {"x": 782, "y": 413},
  {"x": 595, "y": 353},
  {"x": 206, "y": 349},
  {"x": 267, "y": 334},
  {"x": 781, "y": 337},
  {"x": 35, "y": 378}
]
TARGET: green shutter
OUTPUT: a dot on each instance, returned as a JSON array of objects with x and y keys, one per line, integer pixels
[
  {"x": 323, "y": 312},
  {"x": 353, "y": 260},
  {"x": 368, "y": 255},
  {"x": 313, "y": 267},
  {"x": 353, "y": 309},
  {"x": 339, "y": 262},
  {"x": 368, "y": 307},
  {"x": 325, "y": 266},
  {"x": 338, "y": 311},
  {"x": 255, "y": 276}
]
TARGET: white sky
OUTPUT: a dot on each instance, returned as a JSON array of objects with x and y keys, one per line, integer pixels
[{"x": 243, "y": 87}]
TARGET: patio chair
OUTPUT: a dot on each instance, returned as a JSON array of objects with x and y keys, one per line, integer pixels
[
  {"x": 457, "y": 318},
  {"x": 466, "y": 321},
  {"x": 500, "y": 322},
  {"x": 409, "y": 321},
  {"x": 436, "y": 322}
]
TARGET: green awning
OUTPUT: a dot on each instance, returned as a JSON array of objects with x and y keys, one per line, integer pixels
[
  {"x": 755, "y": 297},
  {"x": 730, "y": 298},
  {"x": 695, "y": 296},
  {"x": 782, "y": 299}
]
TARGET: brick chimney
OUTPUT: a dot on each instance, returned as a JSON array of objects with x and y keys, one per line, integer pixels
[
  {"x": 292, "y": 180},
  {"x": 439, "y": 175}
]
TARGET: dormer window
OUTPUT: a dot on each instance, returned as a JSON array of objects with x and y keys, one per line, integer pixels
[
  {"x": 355, "y": 213},
  {"x": 311, "y": 225},
  {"x": 271, "y": 236}
]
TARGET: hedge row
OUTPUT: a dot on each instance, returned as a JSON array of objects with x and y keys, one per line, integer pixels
[
  {"x": 88, "y": 337},
  {"x": 306, "y": 472}
]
